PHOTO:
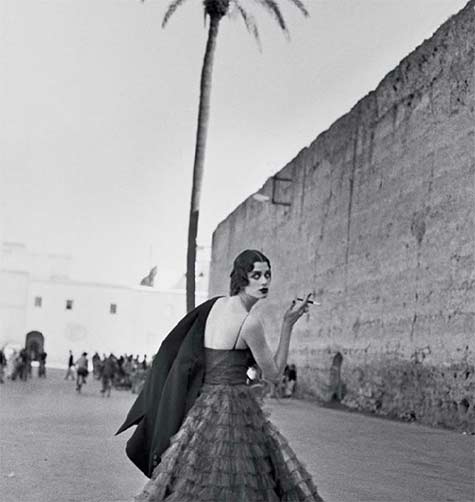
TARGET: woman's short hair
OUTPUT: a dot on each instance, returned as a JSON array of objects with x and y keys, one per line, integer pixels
[{"x": 243, "y": 264}]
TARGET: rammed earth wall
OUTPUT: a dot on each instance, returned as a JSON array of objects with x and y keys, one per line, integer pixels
[{"x": 380, "y": 227}]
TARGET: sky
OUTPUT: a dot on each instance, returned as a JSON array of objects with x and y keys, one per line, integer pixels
[{"x": 99, "y": 109}]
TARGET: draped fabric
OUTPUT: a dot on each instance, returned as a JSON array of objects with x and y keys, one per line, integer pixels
[{"x": 171, "y": 387}]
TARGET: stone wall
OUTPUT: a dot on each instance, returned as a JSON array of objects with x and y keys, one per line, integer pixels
[{"x": 378, "y": 222}]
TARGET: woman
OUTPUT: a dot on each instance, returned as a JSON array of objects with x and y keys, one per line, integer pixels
[{"x": 225, "y": 449}]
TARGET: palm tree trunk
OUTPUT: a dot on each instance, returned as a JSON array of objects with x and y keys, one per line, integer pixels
[{"x": 198, "y": 166}]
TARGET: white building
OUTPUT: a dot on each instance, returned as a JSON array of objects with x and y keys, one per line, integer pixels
[{"x": 36, "y": 295}]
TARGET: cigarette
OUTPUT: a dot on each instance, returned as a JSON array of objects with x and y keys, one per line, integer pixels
[{"x": 309, "y": 301}]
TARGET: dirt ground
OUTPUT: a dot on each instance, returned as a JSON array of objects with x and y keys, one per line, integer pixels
[{"x": 56, "y": 445}]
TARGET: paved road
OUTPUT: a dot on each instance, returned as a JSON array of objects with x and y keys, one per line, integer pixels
[{"x": 56, "y": 445}]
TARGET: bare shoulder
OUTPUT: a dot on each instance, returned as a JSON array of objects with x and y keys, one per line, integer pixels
[{"x": 252, "y": 326}]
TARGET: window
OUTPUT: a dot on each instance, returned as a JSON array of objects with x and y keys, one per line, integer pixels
[
  {"x": 69, "y": 305},
  {"x": 38, "y": 301},
  {"x": 113, "y": 308}
]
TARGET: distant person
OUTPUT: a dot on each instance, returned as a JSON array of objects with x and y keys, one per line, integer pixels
[
  {"x": 109, "y": 370},
  {"x": 29, "y": 366},
  {"x": 96, "y": 365},
  {"x": 128, "y": 369},
  {"x": 23, "y": 367},
  {"x": 144, "y": 362},
  {"x": 15, "y": 364},
  {"x": 291, "y": 381},
  {"x": 3, "y": 364},
  {"x": 70, "y": 371},
  {"x": 82, "y": 365},
  {"x": 42, "y": 364},
  {"x": 137, "y": 376}
]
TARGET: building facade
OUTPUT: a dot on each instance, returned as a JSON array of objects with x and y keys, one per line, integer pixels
[{"x": 36, "y": 295}]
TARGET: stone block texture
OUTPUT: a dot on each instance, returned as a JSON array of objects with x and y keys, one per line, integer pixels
[{"x": 378, "y": 222}]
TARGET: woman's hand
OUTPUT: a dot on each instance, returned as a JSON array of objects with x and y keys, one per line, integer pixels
[{"x": 294, "y": 313}]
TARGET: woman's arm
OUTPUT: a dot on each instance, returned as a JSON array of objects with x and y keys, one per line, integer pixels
[
  {"x": 253, "y": 335},
  {"x": 272, "y": 365}
]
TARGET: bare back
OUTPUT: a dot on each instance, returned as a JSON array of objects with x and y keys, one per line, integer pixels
[
  {"x": 224, "y": 324},
  {"x": 229, "y": 326}
]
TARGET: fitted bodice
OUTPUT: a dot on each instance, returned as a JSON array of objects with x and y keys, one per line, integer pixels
[{"x": 227, "y": 366}]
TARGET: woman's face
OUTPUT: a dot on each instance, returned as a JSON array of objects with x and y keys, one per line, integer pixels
[{"x": 259, "y": 280}]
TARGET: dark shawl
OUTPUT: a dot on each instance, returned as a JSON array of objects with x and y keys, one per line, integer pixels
[{"x": 170, "y": 390}]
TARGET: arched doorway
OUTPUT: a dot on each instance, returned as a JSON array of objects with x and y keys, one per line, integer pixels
[
  {"x": 35, "y": 343},
  {"x": 336, "y": 385}
]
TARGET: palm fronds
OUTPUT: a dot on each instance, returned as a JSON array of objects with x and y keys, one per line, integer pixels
[
  {"x": 221, "y": 8},
  {"x": 171, "y": 10},
  {"x": 274, "y": 9},
  {"x": 249, "y": 21},
  {"x": 301, "y": 7}
]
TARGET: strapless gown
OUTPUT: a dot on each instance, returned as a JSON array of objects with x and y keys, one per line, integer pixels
[{"x": 226, "y": 449}]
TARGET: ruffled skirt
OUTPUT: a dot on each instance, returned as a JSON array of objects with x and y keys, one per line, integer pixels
[{"x": 228, "y": 451}]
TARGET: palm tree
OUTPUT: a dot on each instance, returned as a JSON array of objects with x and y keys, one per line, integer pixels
[{"x": 214, "y": 12}]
